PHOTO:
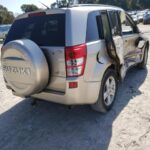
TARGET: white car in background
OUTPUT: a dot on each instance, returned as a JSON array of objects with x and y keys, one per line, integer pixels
[
  {"x": 140, "y": 17},
  {"x": 135, "y": 18},
  {"x": 146, "y": 19},
  {"x": 4, "y": 30}
]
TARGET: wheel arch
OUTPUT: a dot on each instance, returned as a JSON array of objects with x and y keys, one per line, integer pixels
[
  {"x": 147, "y": 45},
  {"x": 114, "y": 67}
]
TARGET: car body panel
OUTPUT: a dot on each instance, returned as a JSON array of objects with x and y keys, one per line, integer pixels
[{"x": 97, "y": 61}]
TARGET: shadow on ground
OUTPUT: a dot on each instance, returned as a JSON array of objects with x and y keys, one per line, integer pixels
[{"x": 49, "y": 126}]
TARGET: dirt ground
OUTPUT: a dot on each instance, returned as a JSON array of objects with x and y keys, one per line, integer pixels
[{"x": 50, "y": 126}]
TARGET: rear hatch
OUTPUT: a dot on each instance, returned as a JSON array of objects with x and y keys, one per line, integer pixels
[{"x": 48, "y": 32}]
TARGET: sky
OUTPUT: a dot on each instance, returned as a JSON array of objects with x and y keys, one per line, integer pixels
[{"x": 14, "y": 5}]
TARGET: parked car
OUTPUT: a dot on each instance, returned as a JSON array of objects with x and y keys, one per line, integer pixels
[
  {"x": 146, "y": 19},
  {"x": 132, "y": 13},
  {"x": 140, "y": 17},
  {"x": 73, "y": 56},
  {"x": 4, "y": 30},
  {"x": 135, "y": 19}
]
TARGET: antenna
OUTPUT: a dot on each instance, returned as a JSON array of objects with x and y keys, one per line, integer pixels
[{"x": 44, "y": 5}]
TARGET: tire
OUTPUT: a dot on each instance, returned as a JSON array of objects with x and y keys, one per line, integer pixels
[
  {"x": 143, "y": 64},
  {"x": 104, "y": 104},
  {"x": 25, "y": 67}
]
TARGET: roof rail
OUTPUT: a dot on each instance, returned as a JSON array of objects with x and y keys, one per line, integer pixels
[{"x": 78, "y": 5}]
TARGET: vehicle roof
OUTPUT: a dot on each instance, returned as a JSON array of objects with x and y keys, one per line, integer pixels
[
  {"x": 92, "y": 7},
  {"x": 86, "y": 8}
]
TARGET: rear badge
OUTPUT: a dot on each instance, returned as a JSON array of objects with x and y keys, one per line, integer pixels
[{"x": 17, "y": 70}]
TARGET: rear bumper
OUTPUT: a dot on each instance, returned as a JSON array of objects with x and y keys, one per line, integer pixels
[{"x": 85, "y": 93}]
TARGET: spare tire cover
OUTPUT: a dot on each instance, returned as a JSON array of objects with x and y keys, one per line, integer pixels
[{"x": 25, "y": 68}]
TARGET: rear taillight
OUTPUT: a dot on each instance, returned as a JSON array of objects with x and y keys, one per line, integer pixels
[
  {"x": 36, "y": 14},
  {"x": 75, "y": 57}
]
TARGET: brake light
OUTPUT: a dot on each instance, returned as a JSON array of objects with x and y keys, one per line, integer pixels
[
  {"x": 73, "y": 85},
  {"x": 75, "y": 57},
  {"x": 36, "y": 14}
]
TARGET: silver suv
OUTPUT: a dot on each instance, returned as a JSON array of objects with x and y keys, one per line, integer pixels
[{"x": 73, "y": 55}]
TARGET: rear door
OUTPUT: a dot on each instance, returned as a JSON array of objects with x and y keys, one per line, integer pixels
[
  {"x": 118, "y": 40},
  {"x": 111, "y": 49},
  {"x": 116, "y": 34},
  {"x": 114, "y": 40}
]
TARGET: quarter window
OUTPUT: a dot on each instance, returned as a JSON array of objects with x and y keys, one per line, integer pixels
[{"x": 92, "y": 29}]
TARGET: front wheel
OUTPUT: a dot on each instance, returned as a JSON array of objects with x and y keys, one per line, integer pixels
[{"x": 107, "y": 92}]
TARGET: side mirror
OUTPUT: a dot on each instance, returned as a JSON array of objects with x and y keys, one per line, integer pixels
[{"x": 141, "y": 44}]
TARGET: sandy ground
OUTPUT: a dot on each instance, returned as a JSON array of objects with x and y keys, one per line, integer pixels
[{"x": 49, "y": 126}]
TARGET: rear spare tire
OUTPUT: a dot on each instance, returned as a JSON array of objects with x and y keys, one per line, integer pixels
[{"x": 25, "y": 68}]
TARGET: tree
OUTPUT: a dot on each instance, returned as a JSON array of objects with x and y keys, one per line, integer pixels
[
  {"x": 126, "y": 4},
  {"x": 60, "y": 3},
  {"x": 88, "y": 1},
  {"x": 28, "y": 8},
  {"x": 6, "y": 17}
]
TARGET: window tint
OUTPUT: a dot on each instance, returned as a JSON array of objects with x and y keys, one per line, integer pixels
[
  {"x": 106, "y": 27},
  {"x": 46, "y": 30},
  {"x": 100, "y": 27},
  {"x": 92, "y": 29},
  {"x": 114, "y": 21}
]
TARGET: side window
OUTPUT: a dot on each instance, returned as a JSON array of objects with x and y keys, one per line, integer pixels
[
  {"x": 114, "y": 22},
  {"x": 92, "y": 29},
  {"x": 106, "y": 27},
  {"x": 126, "y": 25}
]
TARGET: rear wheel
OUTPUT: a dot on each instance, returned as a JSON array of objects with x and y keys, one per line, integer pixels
[
  {"x": 143, "y": 64},
  {"x": 107, "y": 92}
]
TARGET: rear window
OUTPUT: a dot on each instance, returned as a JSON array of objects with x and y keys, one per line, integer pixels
[{"x": 48, "y": 30}]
